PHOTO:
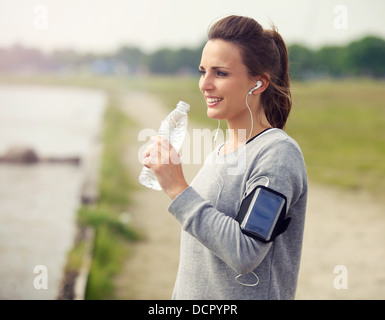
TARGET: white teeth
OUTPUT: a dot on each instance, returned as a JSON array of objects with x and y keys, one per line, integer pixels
[{"x": 212, "y": 100}]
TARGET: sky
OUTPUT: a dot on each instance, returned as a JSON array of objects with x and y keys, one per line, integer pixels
[{"x": 102, "y": 26}]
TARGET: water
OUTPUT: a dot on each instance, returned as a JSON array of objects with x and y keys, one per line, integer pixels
[
  {"x": 38, "y": 203},
  {"x": 174, "y": 127},
  {"x": 54, "y": 121}
]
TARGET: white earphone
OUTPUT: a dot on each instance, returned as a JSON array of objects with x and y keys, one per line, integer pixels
[{"x": 259, "y": 84}]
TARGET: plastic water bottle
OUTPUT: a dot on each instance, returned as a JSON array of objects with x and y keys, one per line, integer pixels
[{"x": 174, "y": 128}]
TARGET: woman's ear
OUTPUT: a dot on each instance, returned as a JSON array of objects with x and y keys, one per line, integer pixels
[{"x": 265, "y": 79}]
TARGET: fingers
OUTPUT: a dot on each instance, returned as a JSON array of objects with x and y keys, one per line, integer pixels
[
  {"x": 160, "y": 151},
  {"x": 164, "y": 161},
  {"x": 148, "y": 162}
]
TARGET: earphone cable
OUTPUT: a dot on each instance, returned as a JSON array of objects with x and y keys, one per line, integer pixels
[{"x": 251, "y": 117}]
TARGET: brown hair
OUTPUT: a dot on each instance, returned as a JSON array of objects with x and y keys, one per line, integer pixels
[{"x": 264, "y": 53}]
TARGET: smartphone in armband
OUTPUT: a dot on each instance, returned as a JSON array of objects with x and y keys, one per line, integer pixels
[{"x": 262, "y": 214}]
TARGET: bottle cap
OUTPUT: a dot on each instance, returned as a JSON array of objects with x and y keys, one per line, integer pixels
[{"x": 183, "y": 106}]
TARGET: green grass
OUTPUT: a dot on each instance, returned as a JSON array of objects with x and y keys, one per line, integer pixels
[
  {"x": 111, "y": 234},
  {"x": 340, "y": 128}
]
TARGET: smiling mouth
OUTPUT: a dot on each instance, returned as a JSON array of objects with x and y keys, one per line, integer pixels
[{"x": 212, "y": 100}]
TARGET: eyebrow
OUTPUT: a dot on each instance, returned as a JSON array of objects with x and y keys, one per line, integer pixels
[{"x": 215, "y": 68}]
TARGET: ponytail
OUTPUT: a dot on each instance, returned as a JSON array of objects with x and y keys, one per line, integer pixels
[
  {"x": 277, "y": 100},
  {"x": 264, "y": 53}
]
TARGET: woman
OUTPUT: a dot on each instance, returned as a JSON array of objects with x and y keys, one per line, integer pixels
[{"x": 245, "y": 81}]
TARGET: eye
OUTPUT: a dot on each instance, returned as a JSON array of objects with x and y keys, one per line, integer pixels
[
  {"x": 222, "y": 74},
  {"x": 202, "y": 72}
]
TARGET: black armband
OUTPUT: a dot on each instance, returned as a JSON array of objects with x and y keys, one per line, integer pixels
[{"x": 262, "y": 214}]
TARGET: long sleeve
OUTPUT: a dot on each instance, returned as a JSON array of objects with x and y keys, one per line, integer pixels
[
  {"x": 221, "y": 234},
  {"x": 213, "y": 247}
]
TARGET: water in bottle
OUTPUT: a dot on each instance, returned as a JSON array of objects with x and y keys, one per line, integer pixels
[{"x": 174, "y": 128}]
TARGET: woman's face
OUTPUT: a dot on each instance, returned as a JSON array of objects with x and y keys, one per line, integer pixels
[{"x": 224, "y": 81}]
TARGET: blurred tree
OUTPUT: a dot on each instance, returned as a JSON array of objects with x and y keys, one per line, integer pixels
[
  {"x": 171, "y": 61},
  {"x": 189, "y": 59},
  {"x": 131, "y": 56},
  {"x": 163, "y": 61},
  {"x": 301, "y": 61},
  {"x": 331, "y": 61},
  {"x": 367, "y": 57}
]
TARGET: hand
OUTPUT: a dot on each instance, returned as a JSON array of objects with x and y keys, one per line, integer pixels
[{"x": 165, "y": 162}]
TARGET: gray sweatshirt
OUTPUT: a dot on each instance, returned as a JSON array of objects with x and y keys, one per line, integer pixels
[{"x": 214, "y": 251}]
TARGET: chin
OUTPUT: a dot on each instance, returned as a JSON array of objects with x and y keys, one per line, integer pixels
[{"x": 214, "y": 115}]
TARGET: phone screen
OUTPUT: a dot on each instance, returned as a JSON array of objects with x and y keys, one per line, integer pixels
[{"x": 263, "y": 213}]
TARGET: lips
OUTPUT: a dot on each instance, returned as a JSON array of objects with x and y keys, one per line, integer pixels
[{"x": 212, "y": 101}]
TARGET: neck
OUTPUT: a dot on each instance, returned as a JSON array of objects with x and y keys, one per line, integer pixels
[{"x": 241, "y": 130}]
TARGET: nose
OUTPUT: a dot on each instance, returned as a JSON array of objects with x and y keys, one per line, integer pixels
[{"x": 206, "y": 83}]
